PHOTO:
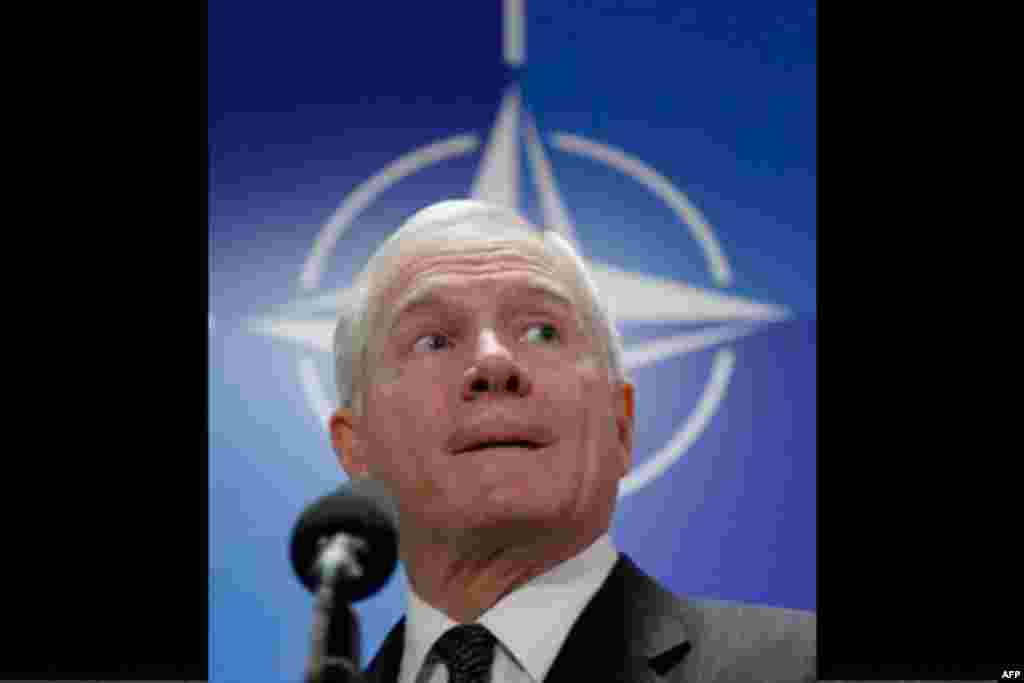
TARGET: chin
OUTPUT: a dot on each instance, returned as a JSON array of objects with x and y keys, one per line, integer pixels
[{"x": 511, "y": 510}]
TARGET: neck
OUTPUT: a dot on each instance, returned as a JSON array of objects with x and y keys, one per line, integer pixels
[{"x": 465, "y": 581}]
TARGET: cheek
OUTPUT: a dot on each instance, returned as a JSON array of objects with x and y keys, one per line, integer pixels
[
  {"x": 587, "y": 399},
  {"x": 573, "y": 396},
  {"x": 406, "y": 415},
  {"x": 561, "y": 394}
]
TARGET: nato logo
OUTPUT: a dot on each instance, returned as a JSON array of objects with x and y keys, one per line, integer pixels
[{"x": 632, "y": 297}]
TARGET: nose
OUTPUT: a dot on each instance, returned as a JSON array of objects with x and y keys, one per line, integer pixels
[{"x": 495, "y": 372}]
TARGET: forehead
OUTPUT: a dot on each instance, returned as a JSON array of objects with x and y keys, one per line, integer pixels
[{"x": 420, "y": 274}]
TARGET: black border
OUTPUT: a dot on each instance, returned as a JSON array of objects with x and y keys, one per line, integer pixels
[
  {"x": 106, "y": 501},
  {"x": 918, "y": 528}
]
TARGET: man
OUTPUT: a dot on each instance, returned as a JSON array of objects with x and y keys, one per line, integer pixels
[{"x": 482, "y": 383}]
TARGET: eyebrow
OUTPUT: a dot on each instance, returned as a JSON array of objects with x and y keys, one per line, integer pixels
[{"x": 430, "y": 298}]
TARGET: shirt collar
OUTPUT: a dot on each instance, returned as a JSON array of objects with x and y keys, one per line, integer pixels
[{"x": 534, "y": 643}]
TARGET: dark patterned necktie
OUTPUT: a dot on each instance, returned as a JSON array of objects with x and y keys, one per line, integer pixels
[{"x": 468, "y": 651}]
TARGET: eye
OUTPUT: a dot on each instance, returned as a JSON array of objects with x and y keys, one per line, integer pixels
[
  {"x": 432, "y": 342},
  {"x": 542, "y": 333}
]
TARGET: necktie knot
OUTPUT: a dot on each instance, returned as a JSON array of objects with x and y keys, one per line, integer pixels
[{"x": 468, "y": 652}]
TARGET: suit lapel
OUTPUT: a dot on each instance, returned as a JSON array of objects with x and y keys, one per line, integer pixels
[
  {"x": 631, "y": 630},
  {"x": 385, "y": 664}
]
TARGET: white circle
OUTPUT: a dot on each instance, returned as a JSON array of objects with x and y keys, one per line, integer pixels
[{"x": 427, "y": 155}]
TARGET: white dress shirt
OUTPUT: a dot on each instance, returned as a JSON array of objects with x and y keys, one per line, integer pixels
[{"x": 531, "y": 623}]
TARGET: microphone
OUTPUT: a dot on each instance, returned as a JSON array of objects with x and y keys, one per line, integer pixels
[
  {"x": 344, "y": 548},
  {"x": 348, "y": 537}
]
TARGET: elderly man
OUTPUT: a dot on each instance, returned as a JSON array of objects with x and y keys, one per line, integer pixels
[{"x": 482, "y": 383}]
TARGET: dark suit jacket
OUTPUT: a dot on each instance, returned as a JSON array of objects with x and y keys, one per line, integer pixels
[{"x": 635, "y": 631}]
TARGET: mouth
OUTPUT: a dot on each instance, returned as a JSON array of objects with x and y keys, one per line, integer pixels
[{"x": 490, "y": 444}]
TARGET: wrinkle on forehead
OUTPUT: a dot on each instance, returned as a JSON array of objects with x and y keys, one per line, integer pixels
[
  {"x": 433, "y": 292},
  {"x": 434, "y": 263},
  {"x": 484, "y": 256}
]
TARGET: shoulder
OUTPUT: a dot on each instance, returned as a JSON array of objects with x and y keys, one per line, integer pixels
[
  {"x": 731, "y": 640},
  {"x": 740, "y": 641},
  {"x": 753, "y": 623}
]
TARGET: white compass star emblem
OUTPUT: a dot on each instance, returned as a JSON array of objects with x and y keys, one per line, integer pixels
[{"x": 631, "y": 297}]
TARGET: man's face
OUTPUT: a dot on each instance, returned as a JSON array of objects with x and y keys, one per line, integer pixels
[{"x": 486, "y": 397}]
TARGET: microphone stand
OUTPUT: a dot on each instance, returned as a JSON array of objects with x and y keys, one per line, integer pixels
[{"x": 330, "y": 635}]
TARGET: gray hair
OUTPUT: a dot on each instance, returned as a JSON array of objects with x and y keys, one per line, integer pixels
[{"x": 455, "y": 222}]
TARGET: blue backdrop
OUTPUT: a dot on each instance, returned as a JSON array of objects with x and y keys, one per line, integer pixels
[{"x": 677, "y": 146}]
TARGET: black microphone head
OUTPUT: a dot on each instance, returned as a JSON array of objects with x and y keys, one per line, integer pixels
[{"x": 359, "y": 508}]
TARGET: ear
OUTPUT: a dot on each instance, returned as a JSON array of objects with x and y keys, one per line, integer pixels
[
  {"x": 347, "y": 444},
  {"x": 624, "y": 421}
]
